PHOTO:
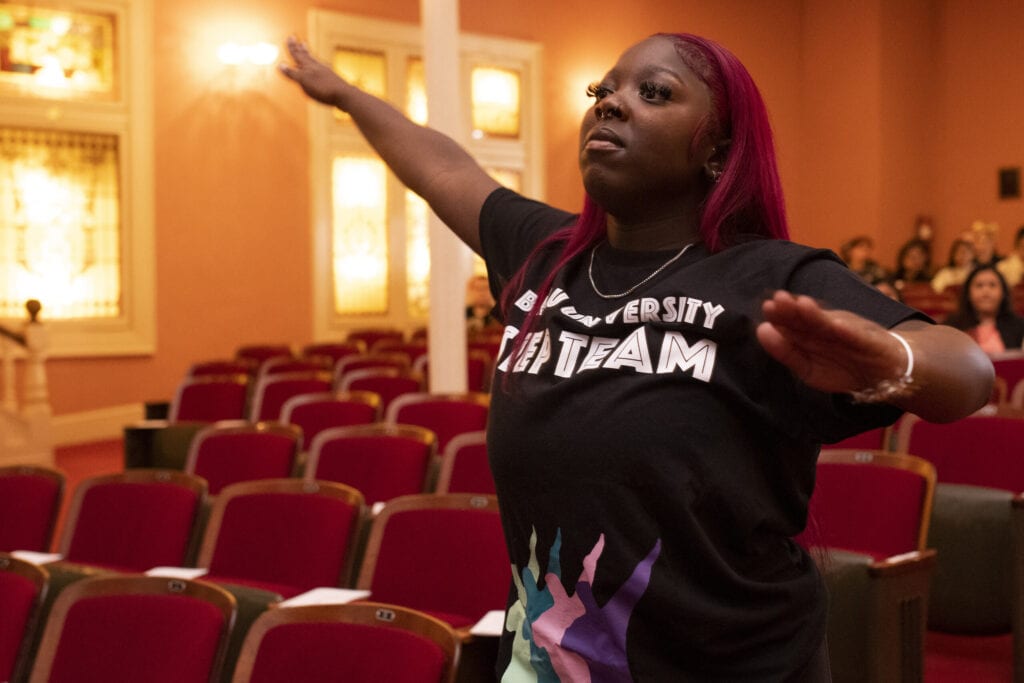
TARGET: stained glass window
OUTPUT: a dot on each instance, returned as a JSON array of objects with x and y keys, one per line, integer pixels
[
  {"x": 364, "y": 69},
  {"x": 54, "y": 52},
  {"x": 495, "y": 97},
  {"x": 360, "y": 239},
  {"x": 60, "y": 240}
]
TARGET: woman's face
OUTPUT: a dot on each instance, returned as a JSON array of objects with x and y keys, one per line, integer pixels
[
  {"x": 636, "y": 153},
  {"x": 985, "y": 293},
  {"x": 984, "y": 245},
  {"x": 963, "y": 254},
  {"x": 860, "y": 253},
  {"x": 913, "y": 259}
]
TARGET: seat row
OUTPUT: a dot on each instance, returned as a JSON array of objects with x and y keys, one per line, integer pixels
[
  {"x": 440, "y": 554},
  {"x": 105, "y": 629},
  {"x": 382, "y": 460},
  {"x": 924, "y": 576},
  {"x": 246, "y": 385},
  {"x": 214, "y": 397},
  {"x": 336, "y": 437}
]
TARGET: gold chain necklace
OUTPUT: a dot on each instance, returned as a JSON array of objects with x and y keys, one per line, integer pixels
[{"x": 666, "y": 264}]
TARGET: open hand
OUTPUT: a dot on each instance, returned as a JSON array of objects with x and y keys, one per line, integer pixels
[
  {"x": 834, "y": 351},
  {"x": 317, "y": 79}
]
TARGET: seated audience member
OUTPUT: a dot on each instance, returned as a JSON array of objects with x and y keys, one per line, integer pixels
[
  {"x": 985, "y": 312},
  {"x": 857, "y": 253},
  {"x": 913, "y": 264},
  {"x": 1012, "y": 267},
  {"x": 479, "y": 305},
  {"x": 984, "y": 237},
  {"x": 957, "y": 268}
]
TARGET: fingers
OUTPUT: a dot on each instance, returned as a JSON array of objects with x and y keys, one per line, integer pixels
[
  {"x": 797, "y": 312},
  {"x": 300, "y": 55}
]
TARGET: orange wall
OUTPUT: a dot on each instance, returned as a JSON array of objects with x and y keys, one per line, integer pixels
[
  {"x": 881, "y": 110},
  {"x": 980, "y": 106}
]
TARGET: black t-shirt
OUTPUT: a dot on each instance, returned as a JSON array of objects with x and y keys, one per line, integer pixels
[{"x": 653, "y": 462}]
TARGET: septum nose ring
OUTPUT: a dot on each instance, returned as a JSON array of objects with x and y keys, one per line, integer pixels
[{"x": 604, "y": 113}]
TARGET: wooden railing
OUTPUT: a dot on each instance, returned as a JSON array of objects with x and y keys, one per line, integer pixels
[{"x": 26, "y": 435}]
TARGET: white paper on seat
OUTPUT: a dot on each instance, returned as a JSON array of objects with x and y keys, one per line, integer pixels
[
  {"x": 377, "y": 507},
  {"x": 325, "y": 596},
  {"x": 177, "y": 572},
  {"x": 36, "y": 557},
  {"x": 492, "y": 624}
]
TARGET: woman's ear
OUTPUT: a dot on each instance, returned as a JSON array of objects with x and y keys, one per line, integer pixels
[{"x": 715, "y": 165}]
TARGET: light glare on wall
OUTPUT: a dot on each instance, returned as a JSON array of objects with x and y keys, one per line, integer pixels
[{"x": 258, "y": 54}]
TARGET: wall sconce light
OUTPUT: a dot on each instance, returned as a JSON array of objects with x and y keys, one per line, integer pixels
[{"x": 257, "y": 54}]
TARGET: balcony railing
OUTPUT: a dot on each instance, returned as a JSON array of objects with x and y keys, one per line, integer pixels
[{"x": 26, "y": 435}]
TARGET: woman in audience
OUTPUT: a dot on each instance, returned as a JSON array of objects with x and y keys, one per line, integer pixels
[
  {"x": 957, "y": 268},
  {"x": 986, "y": 314},
  {"x": 857, "y": 254},
  {"x": 1012, "y": 267},
  {"x": 984, "y": 237},
  {"x": 913, "y": 264}
]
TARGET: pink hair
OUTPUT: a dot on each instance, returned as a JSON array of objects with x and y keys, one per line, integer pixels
[{"x": 746, "y": 201}]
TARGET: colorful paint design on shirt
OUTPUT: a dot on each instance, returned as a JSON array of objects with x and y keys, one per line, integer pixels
[{"x": 562, "y": 638}]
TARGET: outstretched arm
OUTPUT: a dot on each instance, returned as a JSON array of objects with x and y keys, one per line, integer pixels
[
  {"x": 429, "y": 163},
  {"x": 839, "y": 351}
]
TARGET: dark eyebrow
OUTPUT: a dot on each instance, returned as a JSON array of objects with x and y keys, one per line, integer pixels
[
  {"x": 662, "y": 70},
  {"x": 649, "y": 72}
]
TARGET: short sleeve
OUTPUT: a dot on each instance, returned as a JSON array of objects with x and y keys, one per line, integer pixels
[{"x": 511, "y": 226}]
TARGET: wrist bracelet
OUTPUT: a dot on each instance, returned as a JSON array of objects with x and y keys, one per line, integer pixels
[{"x": 889, "y": 389}]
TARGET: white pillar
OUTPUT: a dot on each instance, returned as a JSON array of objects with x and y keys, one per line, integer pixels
[{"x": 449, "y": 258}]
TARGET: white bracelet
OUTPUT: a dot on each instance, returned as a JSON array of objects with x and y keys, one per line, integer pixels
[
  {"x": 908, "y": 374},
  {"x": 889, "y": 389}
]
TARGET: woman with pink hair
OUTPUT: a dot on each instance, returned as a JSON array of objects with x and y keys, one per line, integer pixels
[{"x": 672, "y": 364}]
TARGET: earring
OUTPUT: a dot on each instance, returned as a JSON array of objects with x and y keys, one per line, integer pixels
[{"x": 714, "y": 174}]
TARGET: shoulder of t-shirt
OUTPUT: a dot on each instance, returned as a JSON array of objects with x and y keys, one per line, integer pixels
[
  {"x": 507, "y": 207},
  {"x": 822, "y": 274}
]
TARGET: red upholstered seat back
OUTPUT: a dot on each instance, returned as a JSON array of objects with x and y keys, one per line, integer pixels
[
  {"x": 875, "y": 510},
  {"x": 388, "y": 383},
  {"x": 273, "y": 390},
  {"x": 313, "y": 413},
  {"x": 289, "y": 539},
  {"x": 259, "y": 353},
  {"x": 465, "y": 468},
  {"x": 349, "y": 652},
  {"x": 978, "y": 450},
  {"x": 17, "y": 598},
  {"x": 1010, "y": 367},
  {"x": 151, "y": 638},
  {"x": 133, "y": 525},
  {"x": 207, "y": 368},
  {"x": 29, "y": 502},
  {"x": 208, "y": 399},
  {"x": 446, "y": 417},
  {"x": 445, "y": 561},
  {"x": 230, "y": 455},
  {"x": 381, "y": 466}
]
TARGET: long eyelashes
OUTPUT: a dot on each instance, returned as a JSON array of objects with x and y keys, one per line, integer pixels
[
  {"x": 597, "y": 91},
  {"x": 649, "y": 90}
]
